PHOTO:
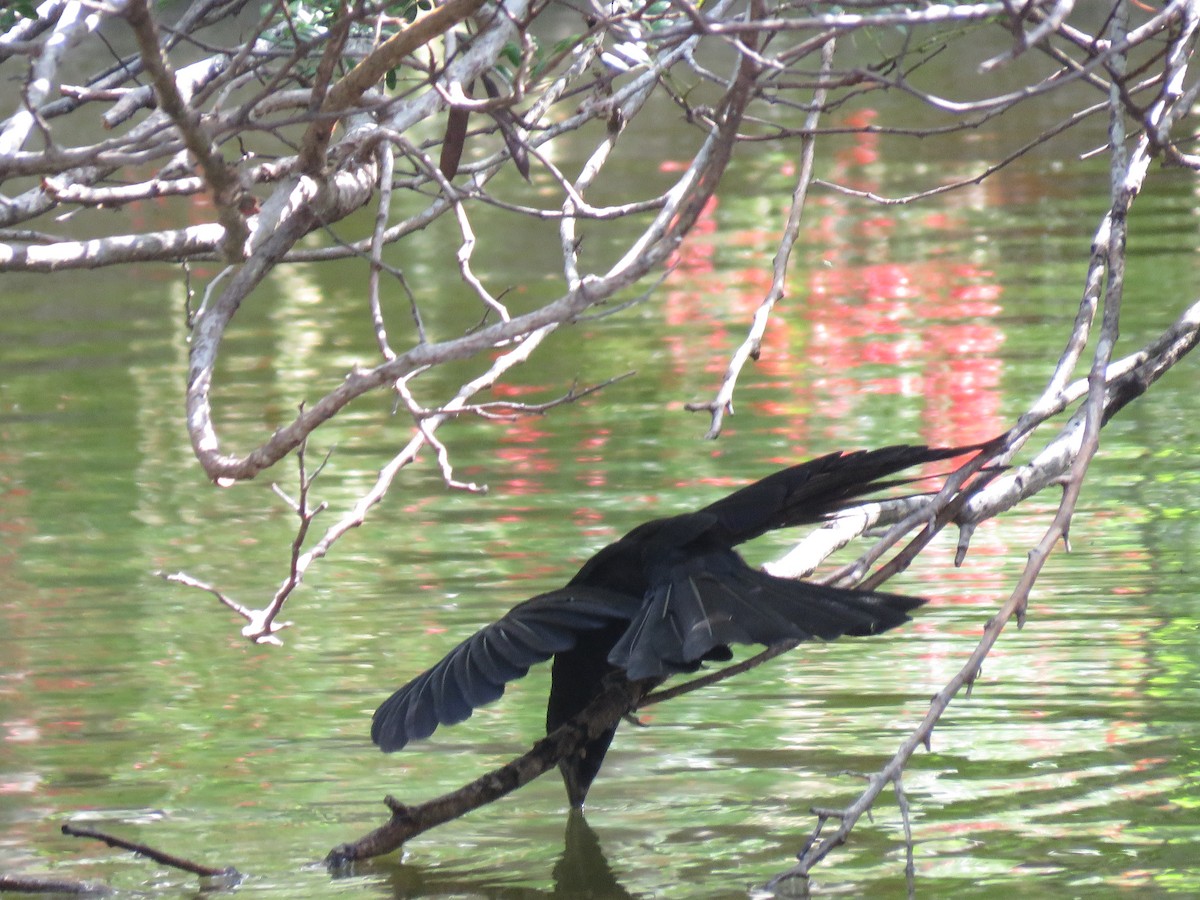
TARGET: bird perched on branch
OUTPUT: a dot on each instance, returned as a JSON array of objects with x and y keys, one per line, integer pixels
[{"x": 668, "y": 596}]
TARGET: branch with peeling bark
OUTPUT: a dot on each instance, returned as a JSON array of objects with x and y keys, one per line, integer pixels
[
  {"x": 337, "y": 136},
  {"x": 225, "y": 188}
]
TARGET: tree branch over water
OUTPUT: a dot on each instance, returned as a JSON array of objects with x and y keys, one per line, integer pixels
[{"x": 270, "y": 148}]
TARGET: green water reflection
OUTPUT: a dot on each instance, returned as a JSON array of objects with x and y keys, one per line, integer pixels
[{"x": 124, "y": 702}]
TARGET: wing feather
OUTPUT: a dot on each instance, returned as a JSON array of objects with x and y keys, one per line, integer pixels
[{"x": 476, "y": 671}]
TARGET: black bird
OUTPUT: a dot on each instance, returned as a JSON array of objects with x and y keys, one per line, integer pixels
[{"x": 666, "y": 597}]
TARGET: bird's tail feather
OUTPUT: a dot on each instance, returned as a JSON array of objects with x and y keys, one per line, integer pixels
[{"x": 685, "y": 620}]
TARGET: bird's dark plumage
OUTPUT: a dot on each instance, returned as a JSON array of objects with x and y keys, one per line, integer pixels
[{"x": 666, "y": 597}]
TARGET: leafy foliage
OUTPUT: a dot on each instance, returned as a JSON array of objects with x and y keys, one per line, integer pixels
[{"x": 15, "y": 10}]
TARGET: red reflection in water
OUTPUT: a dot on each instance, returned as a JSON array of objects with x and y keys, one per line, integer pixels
[
  {"x": 859, "y": 322},
  {"x": 926, "y": 324},
  {"x": 523, "y": 446},
  {"x": 697, "y": 255}
]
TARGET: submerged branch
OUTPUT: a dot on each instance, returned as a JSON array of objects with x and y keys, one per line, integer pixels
[
  {"x": 158, "y": 856},
  {"x": 408, "y": 821}
]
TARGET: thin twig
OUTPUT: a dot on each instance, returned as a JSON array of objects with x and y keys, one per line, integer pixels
[
  {"x": 158, "y": 856},
  {"x": 752, "y": 345},
  {"x": 262, "y": 625},
  {"x": 188, "y": 581},
  {"x": 387, "y": 162},
  {"x": 1081, "y": 438}
]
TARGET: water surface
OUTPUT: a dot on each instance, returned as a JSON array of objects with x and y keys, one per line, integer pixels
[{"x": 135, "y": 706}]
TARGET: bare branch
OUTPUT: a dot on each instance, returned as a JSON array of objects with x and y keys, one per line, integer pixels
[
  {"x": 1049, "y": 25},
  {"x": 277, "y": 115},
  {"x": 228, "y": 873},
  {"x": 70, "y": 24},
  {"x": 188, "y": 581},
  {"x": 409, "y": 821},
  {"x": 386, "y": 172},
  {"x": 751, "y": 347},
  {"x": 227, "y": 192},
  {"x": 1074, "y": 448}
]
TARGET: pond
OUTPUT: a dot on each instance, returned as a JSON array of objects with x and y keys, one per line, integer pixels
[{"x": 134, "y": 706}]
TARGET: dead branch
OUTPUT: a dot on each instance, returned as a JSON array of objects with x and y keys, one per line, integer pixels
[
  {"x": 226, "y": 190},
  {"x": 227, "y": 874},
  {"x": 752, "y": 346},
  {"x": 254, "y": 616},
  {"x": 1068, "y": 456},
  {"x": 340, "y": 108},
  {"x": 408, "y": 821},
  {"x": 33, "y": 884}
]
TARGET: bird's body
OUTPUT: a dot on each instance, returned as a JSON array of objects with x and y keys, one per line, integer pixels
[{"x": 666, "y": 597}]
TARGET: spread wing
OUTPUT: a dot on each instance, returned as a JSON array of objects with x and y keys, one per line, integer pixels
[
  {"x": 476, "y": 671},
  {"x": 684, "y": 591},
  {"x": 812, "y": 490}
]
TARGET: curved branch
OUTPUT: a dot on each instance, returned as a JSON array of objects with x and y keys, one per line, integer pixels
[{"x": 287, "y": 217}]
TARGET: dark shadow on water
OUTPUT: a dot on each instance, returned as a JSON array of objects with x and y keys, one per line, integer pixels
[
  {"x": 583, "y": 869},
  {"x": 581, "y": 873}
]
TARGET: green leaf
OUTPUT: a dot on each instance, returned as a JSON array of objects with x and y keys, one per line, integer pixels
[{"x": 25, "y": 9}]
